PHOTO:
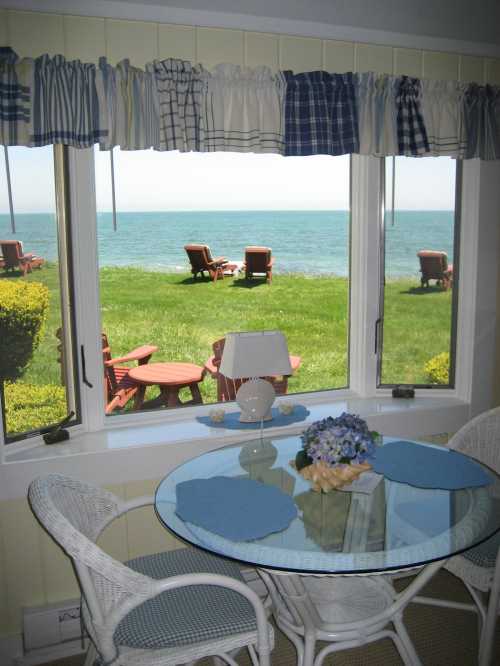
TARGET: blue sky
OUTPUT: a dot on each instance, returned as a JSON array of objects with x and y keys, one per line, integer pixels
[{"x": 148, "y": 180}]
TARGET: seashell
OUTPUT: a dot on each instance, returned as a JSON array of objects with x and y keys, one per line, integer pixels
[{"x": 325, "y": 478}]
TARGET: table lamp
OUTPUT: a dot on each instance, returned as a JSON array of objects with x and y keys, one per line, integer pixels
[{"x": 251, "y": 356}]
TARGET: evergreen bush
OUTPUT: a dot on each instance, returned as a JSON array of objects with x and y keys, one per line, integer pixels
[
  {"x": 23, "y": 312},
  {"x": 438, "y": 368},
  {"x": 30, "y": 406}
]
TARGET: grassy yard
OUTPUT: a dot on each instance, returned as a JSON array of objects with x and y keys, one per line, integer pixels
[{"x": 184, "y": 317}]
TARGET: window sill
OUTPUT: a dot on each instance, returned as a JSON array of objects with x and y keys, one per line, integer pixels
[
  {"x": 149, "y": 451},
  {"x": 405, "y": 417}
]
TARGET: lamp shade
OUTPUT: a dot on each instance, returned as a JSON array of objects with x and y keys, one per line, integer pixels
[{"x": 255, "y": 354}]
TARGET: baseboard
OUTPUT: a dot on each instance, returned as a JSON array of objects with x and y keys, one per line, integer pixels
[{"x": 12, "y": 653}]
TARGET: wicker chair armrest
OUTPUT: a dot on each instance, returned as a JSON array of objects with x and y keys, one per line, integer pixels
[
  {"x": 135, "y": 503},
  {"x": 135, "y": 355}
]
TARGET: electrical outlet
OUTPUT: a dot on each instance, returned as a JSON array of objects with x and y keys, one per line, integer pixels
[
  {"x": 68, "y": 614},
  {"x": 51, "y": 624}
]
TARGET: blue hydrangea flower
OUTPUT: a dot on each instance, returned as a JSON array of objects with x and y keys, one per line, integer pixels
[{"x": 342, "y": 440}]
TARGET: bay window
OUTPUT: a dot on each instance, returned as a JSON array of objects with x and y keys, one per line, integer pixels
[{"x": 327, "y": 304}]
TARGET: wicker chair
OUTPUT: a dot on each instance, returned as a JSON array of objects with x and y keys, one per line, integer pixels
[
  {"x": 163, "y": 609},
  {"x": 479, "y": 568}
]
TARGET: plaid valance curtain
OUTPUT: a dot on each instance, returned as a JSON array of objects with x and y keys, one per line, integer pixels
[
  {"x": 320, "y": 114},
  {"x": 179, "y": 87},
  {"x": 174, "y": 105}
]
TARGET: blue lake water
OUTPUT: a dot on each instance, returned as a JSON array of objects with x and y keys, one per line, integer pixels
[{"x": 315, "y": 242}]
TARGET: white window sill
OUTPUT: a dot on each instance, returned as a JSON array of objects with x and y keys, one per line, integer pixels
[
  {"x": 149, "y": 451},
  {"x": 410, "y": 418}
]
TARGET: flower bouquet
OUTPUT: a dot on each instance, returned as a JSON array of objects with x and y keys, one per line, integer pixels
[{"x": 335, "y": 451}]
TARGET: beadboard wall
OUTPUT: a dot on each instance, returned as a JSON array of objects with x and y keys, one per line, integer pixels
[
  {"x": 34, "y": 33},
  {"x": 33, "y": 570}
]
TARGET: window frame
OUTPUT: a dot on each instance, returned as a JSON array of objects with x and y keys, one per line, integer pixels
[
  {"x": 65, "y": 251},
  {"x": 379, "y": 325},
  {"x": 366, "y": 216}
]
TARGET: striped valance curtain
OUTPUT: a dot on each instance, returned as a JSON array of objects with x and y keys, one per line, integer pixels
[
  {"x": 242, "y": 110},
  {"x": 174, "y": 105}
]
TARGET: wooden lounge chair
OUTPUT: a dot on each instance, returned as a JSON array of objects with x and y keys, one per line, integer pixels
[
  {"x": 434, "y": 266},
  {"x": 258, "y": 263},
  {"x": 226, "y": 388},
  {"x": 119, "y": 388},
  {"x": 201, "y": 260},
  {"x": 14, "y": 258}
]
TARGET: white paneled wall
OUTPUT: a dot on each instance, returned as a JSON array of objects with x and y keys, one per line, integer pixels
[
  {"x": 32, "y": 569},
  {"x": 33, "y": 33}
]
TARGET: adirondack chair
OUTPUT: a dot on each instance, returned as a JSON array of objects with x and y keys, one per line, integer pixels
[
  {"x": 119, "y": 388},
  {"x": 434, "y": 266},
  {"x": 201, "y": 260},
  {"x": 258, "y": 263},
  {"x": 14, "y": 258},
  {"x": 227, "y": 388}
]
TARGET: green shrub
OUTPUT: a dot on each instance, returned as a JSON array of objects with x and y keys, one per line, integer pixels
[
  {"x": 437, "y": 369},
  {"x": 23, "y": 312},
  {"x": 30, "y": 406}
]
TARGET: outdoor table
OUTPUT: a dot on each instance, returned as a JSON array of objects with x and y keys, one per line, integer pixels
[
  {"x": 394, "y": 528},
  {"x": 170, "y": 377}
]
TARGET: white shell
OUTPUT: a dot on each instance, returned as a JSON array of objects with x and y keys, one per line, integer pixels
[{"x": 255, "y": 398}]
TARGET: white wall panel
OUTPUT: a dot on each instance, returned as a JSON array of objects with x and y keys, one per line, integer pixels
[
  {"x": 493, "y": 72},
  {"x": 146, "y": 535},
  {"x": 84, "y": 38},
  {"x": 134, "y": 40},
  {"x": 3, "y": 27},
  {"x": 440, "y": 65},
  {"x": 338, "y": 57},
  {"x": 215, "y": 46},
  {"x": 300, "y": 54},
  {"x": 471, "y": 69},
  {"x": 3, "y": 580},
  {"x": 408, "y": 62},
  {"x": 22, "y": 561},
  {"x": 261, "y": 49},
  {"x": 374, "y": 58},
  {"x": 31, "y": 33},
  {"x": 59, "y": 579},
  {"x": 177, "y": 41}
]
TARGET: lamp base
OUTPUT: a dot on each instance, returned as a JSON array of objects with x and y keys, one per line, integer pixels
[{"x": 255, "y": 398}]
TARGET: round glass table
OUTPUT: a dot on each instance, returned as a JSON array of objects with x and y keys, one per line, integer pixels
[
  {"x": 396, "y": 526},
  {"x": 323, "y": 571}
]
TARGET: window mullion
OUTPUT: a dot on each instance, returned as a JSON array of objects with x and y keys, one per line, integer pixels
[
  {"x": 365, "y": 271},
  {"x": 86, "y": 270}
]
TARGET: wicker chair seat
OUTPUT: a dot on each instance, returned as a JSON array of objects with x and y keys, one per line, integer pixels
[{"x": 186, "y": 615}]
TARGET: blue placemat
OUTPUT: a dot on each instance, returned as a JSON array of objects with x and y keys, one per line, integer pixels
[
  {"x": 232, "y": 420},
  {"x": 428, "y": 467},
  {"x": 237, "y": 509}
]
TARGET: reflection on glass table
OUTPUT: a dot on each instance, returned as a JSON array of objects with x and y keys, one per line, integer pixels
[{"x": 316, "y": 570}]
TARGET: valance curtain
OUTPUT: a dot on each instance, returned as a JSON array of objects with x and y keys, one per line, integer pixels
[
  {"x": 320, "y": 114},
  {"x": 173, "y": 105}
]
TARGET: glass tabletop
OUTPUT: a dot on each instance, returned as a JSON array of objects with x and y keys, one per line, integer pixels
[{"x": 396, "y": 526}]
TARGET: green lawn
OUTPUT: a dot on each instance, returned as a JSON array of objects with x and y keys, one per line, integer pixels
[{"x": 184, "y": 317}]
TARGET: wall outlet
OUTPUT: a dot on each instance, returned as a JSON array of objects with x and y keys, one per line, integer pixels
[{"x": 51, "y": 624}]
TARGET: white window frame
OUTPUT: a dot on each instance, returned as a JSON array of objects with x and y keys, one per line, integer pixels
[{"x": 476, "y": 303}]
